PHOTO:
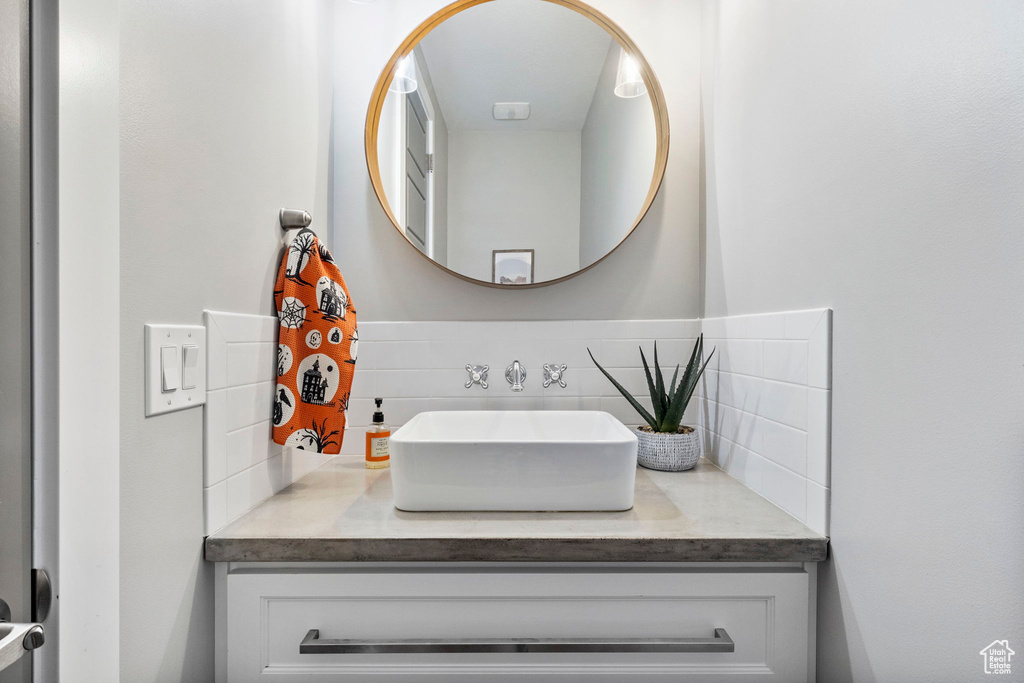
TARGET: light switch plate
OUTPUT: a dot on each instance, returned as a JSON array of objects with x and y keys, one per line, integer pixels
[{"x": 178, "y": 336}]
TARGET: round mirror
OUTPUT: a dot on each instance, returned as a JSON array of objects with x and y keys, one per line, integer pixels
[{"x": 516, "y": 143}]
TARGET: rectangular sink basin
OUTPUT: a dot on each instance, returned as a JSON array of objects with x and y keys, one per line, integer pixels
[{"x": 537, "y": 460}]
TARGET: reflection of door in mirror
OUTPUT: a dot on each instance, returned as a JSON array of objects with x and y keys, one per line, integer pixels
[
  {"x": 416, "y": 160},
  {"x": 412, "y": 150}
]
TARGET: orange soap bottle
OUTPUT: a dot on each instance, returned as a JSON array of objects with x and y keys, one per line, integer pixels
[{"x": 378, "y": 441}]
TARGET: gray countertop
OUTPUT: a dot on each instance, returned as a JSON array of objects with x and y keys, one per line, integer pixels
[{"x": 343, "y": 512}]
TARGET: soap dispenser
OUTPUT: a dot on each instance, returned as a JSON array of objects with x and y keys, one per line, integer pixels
[{"x": 378, "y": 441}]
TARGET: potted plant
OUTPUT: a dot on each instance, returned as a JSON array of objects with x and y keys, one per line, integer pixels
[{"x": 665, "y": 444}]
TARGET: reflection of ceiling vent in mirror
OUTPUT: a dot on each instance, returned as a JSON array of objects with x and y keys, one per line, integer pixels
[{"x": 511, "y": 111}]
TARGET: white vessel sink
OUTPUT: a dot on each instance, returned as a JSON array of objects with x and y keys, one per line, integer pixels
[{"x": 513, "y": 460}]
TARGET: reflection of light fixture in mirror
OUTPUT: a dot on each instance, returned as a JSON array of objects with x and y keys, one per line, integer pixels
[
  {"x": 405, "y": 76},
  {"x": 629, "y": 80}
]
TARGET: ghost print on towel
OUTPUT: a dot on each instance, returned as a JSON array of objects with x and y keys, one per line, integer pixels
[{"x": 317, "y": 345}]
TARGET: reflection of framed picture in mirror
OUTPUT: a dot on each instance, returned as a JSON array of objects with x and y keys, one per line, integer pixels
[{"x": 512, "y": 266}]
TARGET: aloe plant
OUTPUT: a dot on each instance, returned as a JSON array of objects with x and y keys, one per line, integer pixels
[{"x": 669, "y": 401}]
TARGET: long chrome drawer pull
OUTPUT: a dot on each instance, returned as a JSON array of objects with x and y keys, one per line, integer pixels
[{"x": 312, "y": 645}]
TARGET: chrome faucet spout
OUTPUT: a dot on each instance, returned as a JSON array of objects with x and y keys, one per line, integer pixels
[{"x": 516, "y": 375}]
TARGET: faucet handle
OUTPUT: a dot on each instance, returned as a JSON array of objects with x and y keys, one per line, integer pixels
[
  {"x": 477, "y": 375},
  {"x": 554, "y": 373}
]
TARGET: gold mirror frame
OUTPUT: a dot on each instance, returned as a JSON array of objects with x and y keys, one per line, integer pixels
[{"x": 380, "y": 92}]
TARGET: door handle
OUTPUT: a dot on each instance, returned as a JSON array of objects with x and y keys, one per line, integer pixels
[
  {"x": 16, "y": 639},
  {"x": 312, "y": 644}
]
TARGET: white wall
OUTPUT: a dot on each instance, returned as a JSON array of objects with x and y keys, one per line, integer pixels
[
  {"x": 89, "y": 353},
  {"x": 390, "y": 281},
  {"x": 870, "y": 157},
  {"x": 514, "y": 190},
  {"x": 619, "y": 144},
  {"x": 225, "y": 118}
]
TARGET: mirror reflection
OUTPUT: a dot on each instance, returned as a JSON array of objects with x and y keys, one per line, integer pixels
[{"x": 517, "y": 143}]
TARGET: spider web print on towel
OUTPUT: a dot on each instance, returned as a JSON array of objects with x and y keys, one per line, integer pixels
[{"x": 318, "y": 345}]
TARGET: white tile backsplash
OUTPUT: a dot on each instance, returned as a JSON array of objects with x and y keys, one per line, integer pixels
[
  {"x": 242, "y": 465},
  {"x": 765, "y": 406},
  {"x": 764, "y": 400}
]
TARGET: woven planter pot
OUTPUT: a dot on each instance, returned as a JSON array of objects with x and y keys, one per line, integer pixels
[{"x": 668, "y": 452}]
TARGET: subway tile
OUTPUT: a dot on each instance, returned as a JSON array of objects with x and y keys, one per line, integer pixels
[
  {"x": 239, "y": 327},
  {"x": 621, "y": 353},
  {"x": 367, "y": 359},
  {"x": 785, "y": 361},
  {"x": 451, "y": 355},
  {"x": 215, "y": 507},
  {"x": 487, "y": 330},
  {"x": 249, "y": 404},
  {"x": 216, "y": 354},
  {"x": 713, "y": 328},
  {"x": 250, "y": 362},
  {"x": 709, "y": 417},
  {"x": 742, "y": 356},
  {"x": 800, "y": 324},
  {"x": 428, "y": 330},
  {"x": 768, "y": 326},
  {"x": 590, "y": 382},
  {"x": 452, "y": 383},
  {"x": 736, "y": 327},
  {"x": 520, "y": 402},
  {"x": 214, "y": 437},
  {"x": 737, "y": 391},
  {"x": 818, "y": 503},
  {"x": 354, "y": 441},
  {"x": 237, "y": 498},
  {"x": 572, "y": 402},
  {"x": 572, "y": 352},
  {"x": 785, "y": 403},
  {"x": 475, "y": 400},
  {"x": 600, "y": 329},
  {"x": 819, "y": 435},
  {"x": 249, "y": 446},
  {"x": 739, "y": 427},
  {"x": 691, "y": 416},
  {"x": 360, "y": 411},
  {"x": 785, "y": 488},
  {"x": 364, "y": 383},
  {"x": 264, "y": 480},
  {"x": 402, "y": 355},
  {"x": 819, "y": 354},
  {"x": 544, "y": 329},
  {"x": 650, "y": 330},
  {"x": 621, "y": 409},
  {"x": 404, "y": 383},
  {"x": 299, "y": 463},
  {"x": 741, "y": 463},
  {"x": 784, "y": 446}
]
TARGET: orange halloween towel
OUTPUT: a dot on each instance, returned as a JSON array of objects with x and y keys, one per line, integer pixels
[{"x": 317, "y": 347}]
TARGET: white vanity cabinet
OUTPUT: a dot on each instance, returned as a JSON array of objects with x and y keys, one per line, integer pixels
[{"x": 266, "y": 610}]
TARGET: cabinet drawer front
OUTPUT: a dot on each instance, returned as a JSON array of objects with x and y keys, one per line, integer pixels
[{"x": 765, "y": 613}]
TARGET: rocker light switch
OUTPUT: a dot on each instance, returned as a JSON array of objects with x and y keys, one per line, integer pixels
[
  {"x": 168, "y": 368},
  {"x": 189, "y": 366},
  {"x": 175, "y": 367}
]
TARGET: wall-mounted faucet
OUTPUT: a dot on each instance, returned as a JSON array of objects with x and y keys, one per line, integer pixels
[{"x": 515, "y": 374}]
